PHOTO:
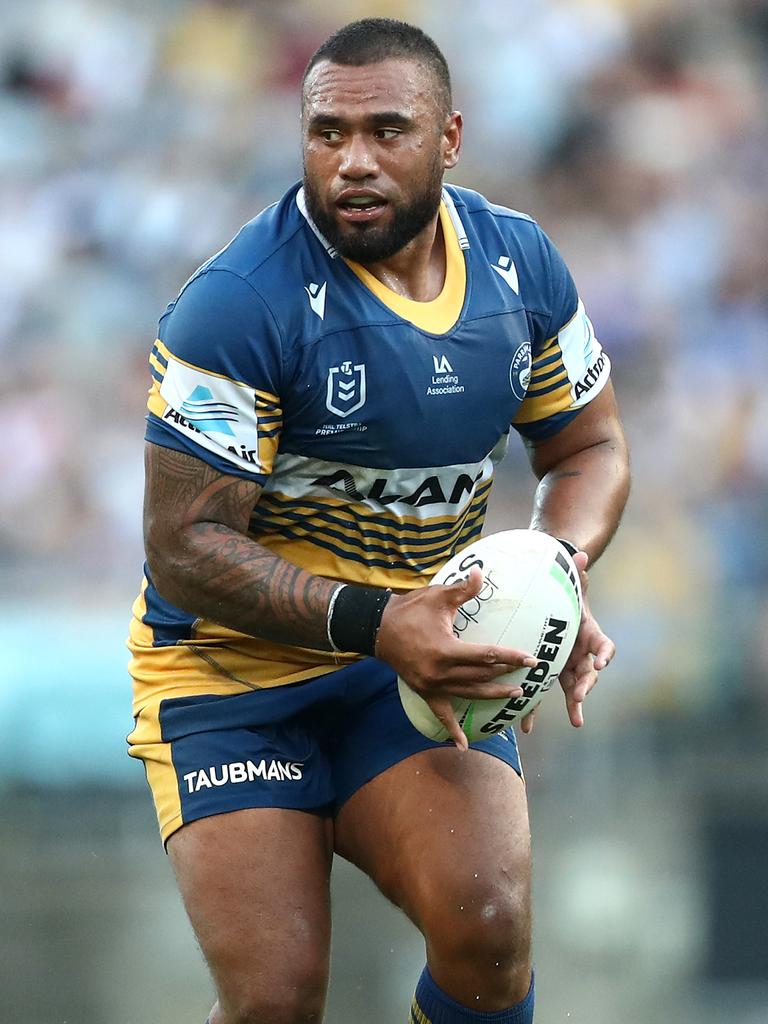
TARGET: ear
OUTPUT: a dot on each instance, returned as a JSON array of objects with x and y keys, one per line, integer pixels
[{"x": 452, "y": 130}]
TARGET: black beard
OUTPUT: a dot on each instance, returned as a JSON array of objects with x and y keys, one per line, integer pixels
[{"x": 368, "y": 243}]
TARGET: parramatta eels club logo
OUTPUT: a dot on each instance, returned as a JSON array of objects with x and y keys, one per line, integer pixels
[
  {"x": 520, "y": 370},
  {"x": 345, "y": 393}
]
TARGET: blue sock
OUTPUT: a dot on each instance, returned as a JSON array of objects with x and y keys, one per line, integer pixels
[{"x": 432, "y": 1006}]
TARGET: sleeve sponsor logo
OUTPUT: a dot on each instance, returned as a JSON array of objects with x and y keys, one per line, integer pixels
[
  {"x": 590, "y": 378},
  {"x": 217, "y": 413},
  {"x": 587, "y": 366},
  {"x": 207, "y": 415}
]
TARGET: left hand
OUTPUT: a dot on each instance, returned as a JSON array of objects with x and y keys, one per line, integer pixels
[{"x": 591, "y": 653}]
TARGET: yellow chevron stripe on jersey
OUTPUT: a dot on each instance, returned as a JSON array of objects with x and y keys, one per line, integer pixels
[
  {"x": 155, "y": 363},
  {"x": 547, "y": 365},
  {"x": 359, "y": 514},
  {"x": 545, "y": 389},
  {"x": 440, "y": 314},
  {"x": 417, "y": 1014},
  {"x": 341, "y": 526},
  {"x": 210, "y": 665},
  {"x": 327, "y": 555},
  {"x": 390, "y": 553},
  {"x": 539, "y": 408},
  {"x": 269, "y": 425},
  {"x": 155, "y": 401},
  {"x": 168, "y": 355},
  {"x": 550, "y": 341},
  {"x": 217, "y": 660}
]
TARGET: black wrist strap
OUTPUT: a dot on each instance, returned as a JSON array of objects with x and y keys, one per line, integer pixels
[
  {"x": 355, "y": 618},
  {"x": 570, "y": 548}
]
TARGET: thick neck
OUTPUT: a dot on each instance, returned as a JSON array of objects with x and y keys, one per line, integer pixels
[{"x": 417, "y": 271}]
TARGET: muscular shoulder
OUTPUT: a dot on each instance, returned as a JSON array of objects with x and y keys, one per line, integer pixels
[
  {"x": 475, "y": 203},
  {"x": 521, "y": 252},
  {"x": 261, "y": 280}
]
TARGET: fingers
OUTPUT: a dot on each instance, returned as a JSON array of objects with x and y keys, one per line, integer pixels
[
  {"x": 577, "y": 681},
  {"x": 581, "y": 560},
  {"x": 466, "y": 683},
  {"x": 470, "y": 674},
  {"x": 479, "y": 691},
  {"x": 575, "y": 711},
  {"x": 606, "y": 649},
  {"x": 465, "y": 589},
  {"x": 527, "y": 723},
  {"x": 482, "y": 656},
  {"x": 442, "y": 709}
]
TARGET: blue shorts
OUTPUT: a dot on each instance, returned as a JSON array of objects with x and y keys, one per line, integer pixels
[{"x": 306, "y": 746}]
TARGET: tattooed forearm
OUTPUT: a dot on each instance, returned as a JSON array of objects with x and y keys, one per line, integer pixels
[{"x": 202, "y": 560}]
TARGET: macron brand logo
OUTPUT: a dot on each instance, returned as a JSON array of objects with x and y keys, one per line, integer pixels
[
  {"x": 441, "y": 365},
  {"x": 316, "y": 294},
  {"x": 506, "y": 268},
  {"x": 243, "y": 771}
]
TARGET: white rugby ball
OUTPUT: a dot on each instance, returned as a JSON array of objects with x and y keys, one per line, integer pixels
[{"x": 530, "y": 600}]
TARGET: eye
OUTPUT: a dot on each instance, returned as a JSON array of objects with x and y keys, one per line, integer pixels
[
  {"x": 387, "y": 133},
  {"x": 330, "y": 134}
]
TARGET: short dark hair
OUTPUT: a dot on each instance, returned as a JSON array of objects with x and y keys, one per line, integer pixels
[{"x": 371, "y": 40}]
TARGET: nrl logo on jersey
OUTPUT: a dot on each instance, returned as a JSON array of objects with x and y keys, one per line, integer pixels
[{"x": 345, "y": 392}]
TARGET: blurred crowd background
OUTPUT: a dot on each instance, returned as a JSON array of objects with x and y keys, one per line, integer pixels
[{"x": 135, "y": 137}]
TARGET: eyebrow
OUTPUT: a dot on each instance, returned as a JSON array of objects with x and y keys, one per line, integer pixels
[{"x": 384, "y": 118}]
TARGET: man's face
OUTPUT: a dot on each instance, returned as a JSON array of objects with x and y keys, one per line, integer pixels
[{"x": 375, "y": 149}]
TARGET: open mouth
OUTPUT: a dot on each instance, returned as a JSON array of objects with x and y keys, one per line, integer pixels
[{"x": 362, "y": 208}]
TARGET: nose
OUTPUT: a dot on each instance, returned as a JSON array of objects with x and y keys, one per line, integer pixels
[{"x": 358, "y": 159}]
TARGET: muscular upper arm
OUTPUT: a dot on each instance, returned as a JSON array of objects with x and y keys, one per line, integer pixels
[
  {"x": 202, "y": 559},
  {"x": 182, "y": 493},
  {"x": 597, "y": 424}
]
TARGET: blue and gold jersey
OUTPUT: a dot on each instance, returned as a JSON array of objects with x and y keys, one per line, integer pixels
[{"x": 373, "y": 423}]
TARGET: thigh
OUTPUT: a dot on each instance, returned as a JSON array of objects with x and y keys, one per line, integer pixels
[
  {"x": 255, "y": 884},
  {"x": 436, "y": 821},
  {"x": 445, "y": 836}
]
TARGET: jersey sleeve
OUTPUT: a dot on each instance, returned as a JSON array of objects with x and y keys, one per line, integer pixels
[
  {"x": 216, "y": 377},
  {"x": 568, "y": 365}
]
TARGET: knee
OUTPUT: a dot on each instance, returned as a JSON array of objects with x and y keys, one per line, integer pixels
[
  {"x": 481, "y": 936},
  {"x": 297, "y": 1002},
  {"x": 489, "y": 928}
]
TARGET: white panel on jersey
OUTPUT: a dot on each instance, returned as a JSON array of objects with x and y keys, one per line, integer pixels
[
  {"x": 217, "y": 413},
  {"x": 423, "y": 493},
  {"x": 587, "y": 366}
]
